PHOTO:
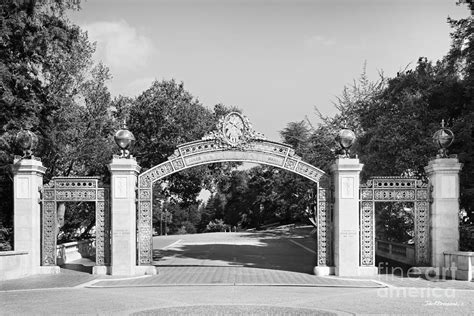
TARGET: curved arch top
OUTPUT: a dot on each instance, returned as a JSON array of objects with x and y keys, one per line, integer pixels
[
  {"x": 210, "y": 151},
  {"x": 233, "y": 140}
]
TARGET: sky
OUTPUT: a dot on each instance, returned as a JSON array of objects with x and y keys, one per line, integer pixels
[{"x": 277, "y": 60}]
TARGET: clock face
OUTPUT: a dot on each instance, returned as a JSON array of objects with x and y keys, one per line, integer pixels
[{"x": 234, "y": 128}]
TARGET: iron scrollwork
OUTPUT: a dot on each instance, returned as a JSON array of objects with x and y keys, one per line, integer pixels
[
  {"x": 324, "y": 225},
  {"x": 73, "y": 189},
  {"x": 395, "y": 189}
]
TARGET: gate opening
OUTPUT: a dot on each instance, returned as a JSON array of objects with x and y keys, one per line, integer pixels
[
  {"x": 76, "y": 248},
  {"x": 394, "y": 237},
  {"x": 244, "y": 222}
]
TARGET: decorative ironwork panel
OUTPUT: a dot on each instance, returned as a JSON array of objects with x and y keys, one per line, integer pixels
[
  {"x": 154, "y": 174},
  {"x": 102, "y": 231},
  {"x": 423, "y": 195},
  {"x": 367, "y": 234},
  {"x": 393, "y": 183},
  {"x": 48, "y": 234},
  {"x": 145, "y": 233},
  {"x": 145, "y": 194},
  {"x": 48, "y": 194},
  {"x": 308, "y": 171},
  {"x": 107, "y": 231},
  {"x": 74, "y": 189},
  {"x": 394, "y": 195},
  {"x": 422, "y": 233},
  {"x": 290, "y": 164},
  {"x": 76, "y": 195},
  {"x": 324, "y": 228},
  {"x": 366, "y": 194},
  {"x": 395, "y": 189},
  {"x": 76, "y": 183},
  {"x": 178, "y": 164}
]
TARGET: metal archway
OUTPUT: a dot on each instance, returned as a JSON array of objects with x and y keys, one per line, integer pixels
[{"x": 234, "y": 140}]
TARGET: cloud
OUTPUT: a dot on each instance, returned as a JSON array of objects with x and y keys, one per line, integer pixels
[
  {"x": 119, "y": 45},
  {"x": 319, "y": 41},
  {"x": 137, "y": 86}
]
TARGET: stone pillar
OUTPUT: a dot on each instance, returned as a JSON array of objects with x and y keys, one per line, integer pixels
[
  {"x": 444, "y": 177},
  {"x": 346, "y": 173},
  {"x": 124, "y": 173},
  {"x": 27, "y": 181}
]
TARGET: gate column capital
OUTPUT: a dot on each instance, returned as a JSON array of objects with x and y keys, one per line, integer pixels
[
  {"x": 443, "y": 165},
  {"x": 29, "y": 166},
  {"x": 124, "y": 166},
  {"x": 347, "y": 165}
]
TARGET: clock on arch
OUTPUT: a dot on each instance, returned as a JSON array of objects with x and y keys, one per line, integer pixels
[{"x": 234, "y": 128}]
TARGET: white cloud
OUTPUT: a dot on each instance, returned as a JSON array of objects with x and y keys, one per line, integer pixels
[
  {"x": 319, "y": 41},
  {"x": 119, "y": 45},
  {"x": 137, "y": 86}
]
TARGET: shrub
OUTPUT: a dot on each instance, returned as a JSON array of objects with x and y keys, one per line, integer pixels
[
  {"x": 186, "y": 228},
  {"x": 466, "y": 237},
  {"x": 216, "y": 226},
  {"x": 6, "y": 234}
]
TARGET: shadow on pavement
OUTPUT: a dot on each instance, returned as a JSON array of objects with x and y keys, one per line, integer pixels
[
  {"x": 268, "y": 250},
  {"x": 77, "y": 267}
]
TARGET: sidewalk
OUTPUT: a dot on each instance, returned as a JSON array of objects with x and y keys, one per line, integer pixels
[
  {"x": 65, "y": 279},
  {"x": 221, "y": 276},
  {"x": 236, "y": 276}
]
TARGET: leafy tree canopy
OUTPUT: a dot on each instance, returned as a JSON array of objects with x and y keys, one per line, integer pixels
[{"x": 50, "y": 85}]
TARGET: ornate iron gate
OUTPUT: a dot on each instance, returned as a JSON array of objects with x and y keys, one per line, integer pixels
[
  {"x": 74, "y": 189},
  {"x": 222, "y": 145},
  {"x": 395, "y": 189}
]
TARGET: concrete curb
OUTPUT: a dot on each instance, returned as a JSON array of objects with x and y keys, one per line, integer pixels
[{"x": 234, "y": 284}]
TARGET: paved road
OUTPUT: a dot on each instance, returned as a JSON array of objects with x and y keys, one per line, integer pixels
[
  {"x": 215, "y": 300},
  {"x": 279, "y": 250}
]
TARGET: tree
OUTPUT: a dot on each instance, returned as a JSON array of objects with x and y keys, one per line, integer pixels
[
  {"x": 163, "y": 117},
  {"x": 83, "y": 143},
  {"x": 236, "y": 200},
  {"x": 394, "y": 222},
  {"x": 261, "y": 195},
  {"x": 43, "y": 61},
  {"x": 79, "y": 220},
  {"x": 460, "y": 61},
  {"x": 322, "y": 148},
  {"x": 45, "y": 66},
  {"x": 395, "y": 118},
  {"x": 183, "y": 219},
  {"x": 296, "y": 134},
  {"x": 214, "y": 209}
]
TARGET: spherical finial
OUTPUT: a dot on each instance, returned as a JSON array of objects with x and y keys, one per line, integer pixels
[
  {"x": 27, "y": 141},
  {"x": 443, "y": 138},
  {"x": 345, "y": 138},
  {"x": 125, "y": 140}
]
